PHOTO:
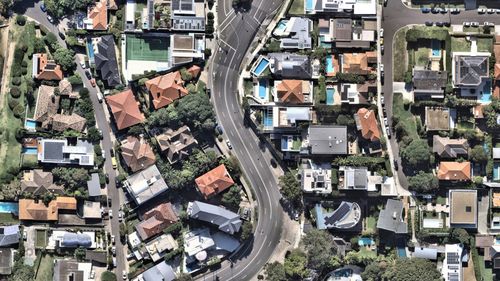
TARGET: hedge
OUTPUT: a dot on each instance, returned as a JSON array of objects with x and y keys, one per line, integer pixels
[
  {"x": 13, "y": 103},
  {"x": 15, "y": 92},
  {"x": 18, "y": 111}
]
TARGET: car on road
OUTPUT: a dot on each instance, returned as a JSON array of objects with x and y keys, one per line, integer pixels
[
  {"x": 429, "y": 23},
  {"x": 113, "y": 250},
  {"x": 120, "y": 216},
  {"x": 103, "y": 153},
  {"x": 42, "y": 7},
  {"x": 296, "y": 215},
  {"x": 124, "y": 275},
  {"x": 110, "y": 213},
  {"x": 82, "y": 64},
  {"x": 455, "y": 10},
  {"x": 381, "y": 41},
  {"x": 425, "y": 10},
  {"x": 481, "y": 11},
  {"x": 381, "y": 67},
  {"x": 106, "y": 176},
  {"x": 440, "y": 24},
  {"x": 435, "y": 10},
  {"x": 388, "y": 132},
  {"x": 382, "y": 100},
  {"x": 113, "y": 162},
  {"x": 61, "y": 35},
  {"x": 50, "y": 19},
  {"x": 228, "y": 143},
  {"x": 113, "y": 239},
  {"x": 274, "y": 164},
  {"x": 88, "y": 75},
  {"x": 447, "y": 23},
  {"x": 490, "y": 24},
  {"x": 385, "y": 3},
  {"x": 384, "y": 112},
  {"x": 466, "y": 24},
  {"x": 92, "y": 82},
  {"x": 381, "y": 33},
  {"x": 25, "y": 235},
  {"x": 396, "y": 166},
  {"x": 100, "y": 98},
  {"x": 474, "y": 24},
  {"x": 444, "y": 11},
  {"x": 491, "y": 11},
  {"x": 109, "y": 202},
  {"x": 385, "y": 121},
  {"x": 497, "y": 11},
  {"x": 382, "y": 49}
]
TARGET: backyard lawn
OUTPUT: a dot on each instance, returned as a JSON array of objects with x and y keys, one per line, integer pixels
[
  {"x": 405, "y": 116},
  {"x": 45, "y": 271},
  {"x": 371, "y": 223},
  {"x": 399, "y": 50},
  {"x": 365, "y": 252},
  {"x": 422, "y": 56},
  {"x": 41, "y": 239},
  {"x": 460, "y": 44},
  {"x": 7, "y": 219},
  {"x": 485, "y": 44},
  {"x": 297, "y": 7},
  {"x": 486, "y": 273}
]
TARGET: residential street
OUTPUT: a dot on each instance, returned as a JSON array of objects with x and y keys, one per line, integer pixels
[{"x": 33, "y": 11}]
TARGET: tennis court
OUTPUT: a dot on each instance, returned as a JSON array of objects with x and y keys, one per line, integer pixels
[{"x": 147, "y": 48}]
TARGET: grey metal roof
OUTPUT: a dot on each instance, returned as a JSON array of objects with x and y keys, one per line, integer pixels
[
  {"x": 496, "y": 153},
  {"x": 425, "y": 253},
  {"x": 227, "y": 221},
  {"x": 146, "y": 184},
  {"x": 105, "y": 61},
  {"x": 288, "y": 65},
  {"x": 449, "y": 148},
  {"x": 429, "y": 81},
  {"x": 469, "y": 70},
  {"x": 186, "y": 23},
  {"x": 159, "y": 272},
  {"x": 6, "y": 261},
  {"x": 94, "y": 185},
  {"x": 74, "y": 240},
  {"x": 53, "y": 151},
  {"x": 391, "y": 218},
  {"x": 300, "y": 34},
  {"x": 328, "y": 140},
  {"x": 9, "y": 235},
  {"x": 356, "y": 178}
]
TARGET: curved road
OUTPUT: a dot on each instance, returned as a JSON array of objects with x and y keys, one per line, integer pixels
[{"x": 396, "y": 16}]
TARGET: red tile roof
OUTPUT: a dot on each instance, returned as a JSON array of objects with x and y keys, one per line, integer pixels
[
  {"x": 99, "y": 15},
  {"x": 457, "y": 171},
  {"x": 291, "y": 91},
  {"x": 125, "y": 109},
  {"x": 166, "y": 88},
  {"x": 369, "y": 124},
  {"x": 47, "y": 69},
  {"x": 214, "y": 181},
  {"x": 194, "y": 70},
  {"x": 156, "y": 220},
  {"x": 137, "y": 153}
]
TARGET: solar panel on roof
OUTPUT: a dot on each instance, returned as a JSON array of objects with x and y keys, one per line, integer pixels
[
  {"x": 338, "y": 214},
  {"x": 452, "y": 258}
]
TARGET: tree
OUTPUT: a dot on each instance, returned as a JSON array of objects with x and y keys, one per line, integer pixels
[
  {"x": 64, "y": 57},
  {"x": 51, "y": 41},
  {"x": 184, "y": 277},
  {"x": 414, "y": 269},
  {"x": 478, "y": 154},
  {"x": 374, "y": 271},
  {"x": 108, "y": 276},
  {"x": 233, "y": 166},
  {"x": 275, "y": 272},
  {"x": 80, "y": 253},
  {"x": 416, "y": 153},
  {"x": 460, "y": 235},
  {"x": 71, "y": 178},
  {"x": 185, "y": 75},
  {"x": 318, "y": 246},
  {"x": 290, "y": 187},
  {"x": 246, "y": 230},
  {"x": 5, "y": 6},
  {"x": 423, "y": 182},
  {"x": 20, "y": 20},
  {"x": 295, "y": 264},
  {"x": 232, "y": 198},
  {"x": 345, "y": 120},
  {"x": 94, "y": 135}
]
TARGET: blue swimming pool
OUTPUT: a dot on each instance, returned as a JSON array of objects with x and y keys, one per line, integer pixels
[
  {"x": 436, "y": 48},
  {"x": 261, "y": 66},
  {"x": 329, "y": 64},
  {"x": 30, "y": 125},
  {"x": 329, "y": 95},
  {"x": 268, "y": 120},
  {"x": 486, "y": 94},
  {"x": 262, "y": 89},
  {"x": 90, "y": 50},
  {"x": 309, "y": 5},
  {"x": 496, "y": 171},
  {"x": 30, "y": 150},
  {"x": 345, "y": 272},
  {"x": 401, "y": 252},
  {"x": 281, "y": 25},
  {"x": 9, "y": 207},
  {"x": 365, "y": 241},
  {"x": 284, "y": 143}
]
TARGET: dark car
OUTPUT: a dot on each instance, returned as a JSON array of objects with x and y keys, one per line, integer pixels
[
  {"x": 63, "y": 37},
  {"x": 425, "y": 10},
  {"x": 87, "y": 73},
  {"x": 438, "y": 23},
  {"x": 429, "y": 23},
  {"x": 42, "y": 7},
  {"x": 447, "y": 23},
  {"x": 396, "y": 167},
  {"x": 273, "y": 163},
  {"x": 109, "y": 202}
]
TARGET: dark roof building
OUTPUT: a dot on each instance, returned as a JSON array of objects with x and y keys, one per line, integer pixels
[
  {"x": 391, "y": 218},
  {"x": 429, "y": 84},
  {"x": 156, "y": 220},
  {"x": 345, "y": 217},
  {"x": 105, "y": 61},
  {"x": 469, "y": 69},
  {"x": 9, "y": 235},
  {"x": 39, "y": 182},
  {"x": 177, "y": 144},
  {"x": 288, "y": 65},
  {"x": 449, "y": 148},
  {"x": 226, "y": 221},
  {"x": 327, "y": 140}
]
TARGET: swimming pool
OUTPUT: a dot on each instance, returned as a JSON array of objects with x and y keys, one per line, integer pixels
[
  {"x": 496, "y": 170},
  {"x": 329, "y": 65},
  {"x": 486, "y": 94},
  {"x": 261, "y": 66},
  {"x": 262, "y": 89},
  {"x": 268, "y": 119},
  {"x": 344, "y": 272},
  {"x": 30, "y": 150},
  {"x": 280, "y": 28},
  {"x": 329, "y": 95},
  {"x": 90, "y": 50},
  {"x": 365, "y": 241},
  {"x": 401, "y": 252},
  {"x": 9, "y": 207},
  {"x": 309, "y": 5},
  {"x": 436, "y": 48},
  {"x": 30, "y": 125}
]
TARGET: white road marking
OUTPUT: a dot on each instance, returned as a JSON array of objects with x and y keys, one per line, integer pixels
[{"x": 222, "y": 28}]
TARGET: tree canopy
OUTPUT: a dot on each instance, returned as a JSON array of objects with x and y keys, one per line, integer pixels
[
  {"x": 232, "y": 198},
  {"x": 416, "y": 153},
  {"x": 318, "y": 246},
  {"x": 414, "y": 269},
  {"x": 296, "y": 265},
  {"x": 64, "y": 57},
  {"x": 423, "y": 182},
  {"x": 478, "y": 154},
  {"x": 59, "y": 8},
  {"x": 290, "y": 187},
  {"x": 275, "y": 272}
]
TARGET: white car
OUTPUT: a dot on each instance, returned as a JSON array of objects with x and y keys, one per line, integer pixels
[
  {"x": 497, "y": 11},
  {"x": 381, "y": 33},
  {"x": 466, "y": 24},
  {"x": 110, "y": 213},
  {"x": 50, "y": 19},
  {"x": 113, "y": 250},
  {"x": 113, "y": 239},
  {"x": 385, "y": 121},
  {"x": 491, "y": 11},
  {"x": 474, "y": 24},
  {"x": 488, "y": 24},
  {"x": 382, "y": 100},
  {"x": 82, "y": 64},
  {"x": 481, "y": 11},
  {"x": 229, "y": 144},
  {"x": 120, "y": 216},
  {"x": 124, "y": 275},
  {"x": 381, "y": 67}
]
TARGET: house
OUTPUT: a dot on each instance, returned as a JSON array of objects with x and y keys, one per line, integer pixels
[
  {"x": 293, "y": 91},
  {"x": 358, "y": 63},
  {"x": 165, "y": 89},
  {"x": 45, "y": 69},
  {"x": 98, "y": 257},
  {"x": 366, "y": 122},
  {"x": 160, "y": 246},
  {"x": 38, "y": 182},
  {"x": 9, "y": 235},
  {"x": 353, "y": 178},
  {"x": 214, "y": 181},
  {"x": 287, "y": 118},
  {"x": 145, "y": 185},
  {"x": 105, "y": 61},
  {"x": 429, "y": 83},
  {"x": 176, "y": 145},
  {"x": 470, "y": 69},
  {"x": 156, "y": 220},
  {"x": 137, "y": 153},
  {"x": 390, "y": 220},
  {"x": 184, "y": 48},
  {"x": 66, "y": 239},
  {"x": 225, "y": 220},
  {"x": 425, "y": 253},
  {"x": 73, "y": 122},
  {"x": 452, "y": 264},
  {"x": 161, "y": 271},
  {"x": 70, "y": 269},
  {"x": 327, "y": 140},
  {"x": 94, "y": 185},
  {"x": 355, "y": 7},
  {"x": 55, "y": 151},
  {"x": 199, "y": 245},
  {"x": 30, "y": 210},
  {"x": 125, "y": 109},
  {"x": 492, "y": 255},
  {"x": 477, "y": 111},
  {"x": 346, "y": 216},
  {"x": 92, "y": 210},
  {"x": 6, "y": 261},
  {"x": 463, "y": 208},
  {"x": 449, "y": 148},
  {"x": 188, "y": 23},
  {"x": 437, "y": 119},
  {"x": 345, "y": 33},
  {"x": 341, "y": 246},
  {"x": 288, "y": 65},
  {"x": 66, "y": 90},
  {"x": 454, "y": 171},
  {"x": 97, "y": 16},
  {"x": 296, "y": 33},
  {"x": 316, "y": 180},
  {"x": 356, "y": 94}
]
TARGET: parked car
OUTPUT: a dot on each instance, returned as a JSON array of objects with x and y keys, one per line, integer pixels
[
  {"x": 25, "y": 235},
  {"x": 491, "y": 11},
  {"x": 50, "y": 19},
  {"x": 497, "y": 11},
  {"x": 113, "y": 162},
  {"x": 61, "y": 35},
  {"x": 92, "y": 82},
  {"x": 88, "y": 74},
  {"x": 100, "y": 98},
  {"x": 384, "y": 111},
  {"x": 120, "y": 216},
  {"x": 388, "y": 132},
  {"x": 466, "y": 24},
  {"x": 474, "y": 24},
  {"x": 455, "y": 10},
  {"x": 382, "y": 100},
  {"x": 42, "y": 7},
  {"x": 113, "y": 239},
  {"x": 82, "y": 64},
  {"x": 396, "y": 166},
  {"x": 113, "y": 250},
  {"x": 110, "y": 213},
  {"x": 425, "y": 10},
  {"x": 435, "y": 10},
  {"x": 447, "y": 23},
  {"x": 228, "y": 143},
  {"x": 382, "y": 49},
  {"x": 124, "y": 275},
  {"x": 106, "y": 176},
  {"x": 490, "y": 24},
  {"x": 381, "y": 68},
  {"x": 444, "y": 11},
  {"x": 385, "y": 121},
  {"x": 429, "y": 23},
  {"x": 481, "y": 11},
  {"x": 109, "y": 202},
  {"x": 440, "y": 24},
  {"x": 381, "y": 33}
]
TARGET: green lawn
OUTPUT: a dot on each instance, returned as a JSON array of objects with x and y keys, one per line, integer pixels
[
  {"x": 460, "y": 44},
  {"x": 399, "y": 50},
  {"x": 441, "y": 200},
  {"x": 371, "y": 223},
  {"x": 147, "y": 48},
  {"x": 486, "y": 273},
  {"x": 422, "y": 56},
  {"x": 297, "y": 143},
  {"x": 466, "y": 125},
  {"x": 41, "y": 238},
  {"x": 46, "y": 269},
  {"x": 364, "y": 252},
  {"x": 405, "y": 116},
  {"x": 471, "y": 29},
  {"x": 485, "y": 44},
  {"x": 297, "y": 7},
  {"x": 7, "y": 219}
]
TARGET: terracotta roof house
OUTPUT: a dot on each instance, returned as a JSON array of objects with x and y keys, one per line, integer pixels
[
  {"x": 449, "y": 148},
  {"x": 454, "y": 171},
  {"x": 45, "y": 69},
  {"x": 214, "y": 181},
  {"x": 39, "y": 182},
  {"x": 112, "y": 5},
  {"x": 137, "y": 153},
  {"x": 358, "y": 62},
  {"x": 177, "y": 144},
  {"x": 125, "y": 109},
  {"x": 166, "y": 88},
  {"x": 366, "y": 122},
  {"x": 477, "y": 111},
  {"x": 46, "y": 106},
  {"x": 66, "y": 89},
  {"x": 293, "y": 91},
  {"x": 194, "y": 70},
  {"x": 74, "y": 122},
  {"x": 156, "y": 220},
  {"x": 38, "y": 211},
  {"x": 97, "y": 16}
]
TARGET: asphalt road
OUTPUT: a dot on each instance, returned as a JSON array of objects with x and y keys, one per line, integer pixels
[
  {"x": 32, "y": 10},
  {"x": 236, "y": 32},
  {"x": 396, "y": 16}
]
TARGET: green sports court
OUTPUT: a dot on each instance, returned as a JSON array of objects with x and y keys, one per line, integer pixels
[{"x": 148, "y": 48}]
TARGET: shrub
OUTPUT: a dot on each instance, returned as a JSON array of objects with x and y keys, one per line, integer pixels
[
  {"x": 24, "y": 63},
  {"x": 16, "y": 81},
  {"x": 15, "y": 92},
  {"x": 20, "y": 20},
  {"x": 18, "y": 111},
  {"x": 13, "y": 103},
  {"x": 24, "y": 71}
]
